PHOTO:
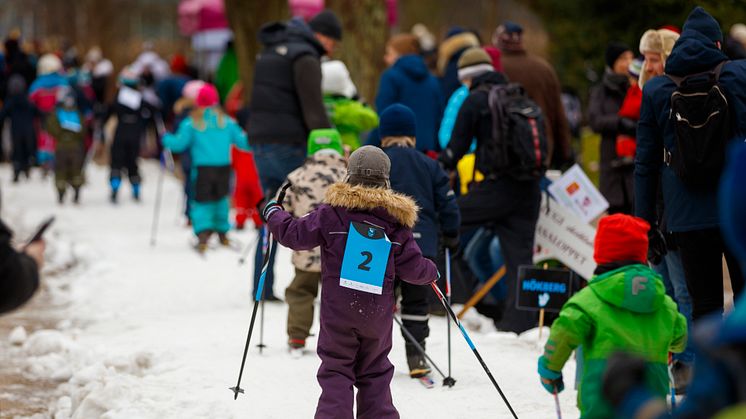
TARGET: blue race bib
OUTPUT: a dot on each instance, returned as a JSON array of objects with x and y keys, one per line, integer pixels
[{"x": 365, "y": 259}]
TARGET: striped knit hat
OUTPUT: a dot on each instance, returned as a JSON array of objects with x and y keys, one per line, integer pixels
[{"x": 474, "y": 62}]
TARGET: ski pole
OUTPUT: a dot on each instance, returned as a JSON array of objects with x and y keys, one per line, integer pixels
[
  {"x": 249, "y": 246},
  {"x": 455, "y": 319},
  {"x": 259, "y": 294},
  {"x": 556, "y": 403},
  {"x": 261, "y": 344},
  {"x": 417, "y": 345},
  {"x": 448, "y": 381},
  {"x": 670, "y": 379},
  {"x": 168, "y": 164}
]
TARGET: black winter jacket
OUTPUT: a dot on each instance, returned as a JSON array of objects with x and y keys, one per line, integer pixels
[
  {"x": 474, "y": 120},
  {"x": 420, "y": 177},
  {"x": 286, "y": 100},
  {"x": 603, "y": 114},
  {"x": 131, "y": 123},
  {"x": 19, "y": 275}
]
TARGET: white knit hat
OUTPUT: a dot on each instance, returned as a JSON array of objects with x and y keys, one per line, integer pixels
[
  {"x": 48, "y": 63},
  {"x": 335, "y": 79}
]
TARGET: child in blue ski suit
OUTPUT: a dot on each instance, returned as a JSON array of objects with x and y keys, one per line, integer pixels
[{"x": 208, "y": 135}]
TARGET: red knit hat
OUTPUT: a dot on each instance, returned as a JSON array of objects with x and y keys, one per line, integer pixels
[
  {"x": 621, "y": 238},
  {"x": 207, "y": 96}
]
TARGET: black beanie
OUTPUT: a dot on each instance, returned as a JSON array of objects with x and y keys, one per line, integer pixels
[
  {"x": 327, "y": 23},
  {"x": 702, "y": 22},
  {"x": 613, "y": 51}
]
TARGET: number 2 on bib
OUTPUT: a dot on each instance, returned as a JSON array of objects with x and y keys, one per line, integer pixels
[{"x": 365, "y": 258}]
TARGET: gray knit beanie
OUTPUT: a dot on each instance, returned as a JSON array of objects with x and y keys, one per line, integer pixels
[{"x": 369, "y": 166}]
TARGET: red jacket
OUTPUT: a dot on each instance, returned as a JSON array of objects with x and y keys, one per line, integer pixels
[
  {"x": 248, "y": 191},
  {"x": 626, "y": 146}
]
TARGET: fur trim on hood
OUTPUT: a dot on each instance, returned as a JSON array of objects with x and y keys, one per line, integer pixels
[
  {"x": 357, "y": 197},
  {"x": 452, "y": 45}
]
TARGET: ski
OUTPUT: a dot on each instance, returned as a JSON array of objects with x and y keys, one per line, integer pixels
[{"x": 426, "y": 381}]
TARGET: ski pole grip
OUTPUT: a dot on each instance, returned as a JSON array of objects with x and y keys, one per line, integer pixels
[{"x": 283, "y": 189}]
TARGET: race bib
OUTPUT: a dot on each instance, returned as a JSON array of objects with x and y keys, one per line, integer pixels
[{"x": 365, "y": 258}]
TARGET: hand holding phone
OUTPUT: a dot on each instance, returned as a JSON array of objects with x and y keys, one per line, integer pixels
[{"x": 39, "y": 232}]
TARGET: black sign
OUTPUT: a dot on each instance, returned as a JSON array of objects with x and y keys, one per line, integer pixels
[{"x": 543, "y": 288}]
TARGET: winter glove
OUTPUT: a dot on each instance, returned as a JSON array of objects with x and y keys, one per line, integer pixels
[
  {"x": 445, "y": 159},
  {"x": 627, "y": 126},
  {"x": 624, "y": 375},
  {"x": 551, "y": 380},
  {"x": 270, "y": 208},
  {"x": 451, "y": 242},
  {"x": 656, "y": 245}
]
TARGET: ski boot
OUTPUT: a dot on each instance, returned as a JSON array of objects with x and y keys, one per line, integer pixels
[
  {"x": 417, "y": 363},
  {"x": 115, "y": 183},
  {"x": 76, "y": 195},
  {"x": 296, "y": 347},
  {"x": 202, "y": 239},
  {"x": 60, "y": 196},
  {"x": 136, "y": 192}
]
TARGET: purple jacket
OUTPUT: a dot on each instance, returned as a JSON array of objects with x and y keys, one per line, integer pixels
[
  {"x": 355, "y": 335},
  {"x": 327, "y": 227}
]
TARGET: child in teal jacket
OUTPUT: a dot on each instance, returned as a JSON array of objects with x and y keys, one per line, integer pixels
[{"x": 208, "y": 135}]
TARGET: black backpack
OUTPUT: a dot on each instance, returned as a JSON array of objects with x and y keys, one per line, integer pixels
[
  {"x": 702, "y": 127},
  {"x": 518, "y": 146}
]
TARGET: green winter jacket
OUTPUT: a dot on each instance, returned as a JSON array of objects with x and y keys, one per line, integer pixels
[
  {"x": 226, "y": 74},
  {"x": 69, "y": 132},
  {"x": 622, "y": 310},
  {"x": 350, "y": 117}
]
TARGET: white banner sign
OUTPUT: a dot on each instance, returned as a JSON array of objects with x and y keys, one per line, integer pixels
[
  {"x": 575, "y": 191},
  {"x": 563, "y": 236}
]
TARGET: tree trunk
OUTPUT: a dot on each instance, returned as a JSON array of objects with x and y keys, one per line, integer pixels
[
  {"x": 364, "y": 37},
  {"x": 245, "y": 18}
]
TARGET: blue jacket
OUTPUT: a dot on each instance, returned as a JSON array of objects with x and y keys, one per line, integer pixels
[
  {"x": 449, "y": 118},
  {"x": 410, "y": 83},
  {"x": 209, "y": 146},
  {"x": 451, "y": 113},
  {"x": 685, "y": 210},
  {"x": 420, "y": 177}
]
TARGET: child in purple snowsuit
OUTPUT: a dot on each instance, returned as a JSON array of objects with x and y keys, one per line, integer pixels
[{"x": 364, "y": 231}]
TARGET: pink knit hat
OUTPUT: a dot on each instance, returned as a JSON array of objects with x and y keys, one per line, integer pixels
[
  {"x": 191, "y": 89},
  {"x": 207, "y": 96}
]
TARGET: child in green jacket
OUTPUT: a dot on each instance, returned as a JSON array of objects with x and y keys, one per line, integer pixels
[
  {"x": 350, "y": 117},
  {"x": 66, "y": 124},
  {"x": 623, "y": 308}
]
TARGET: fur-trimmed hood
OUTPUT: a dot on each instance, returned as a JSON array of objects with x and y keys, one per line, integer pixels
[
  {"x": 356, "y": 197},
  {"x": 452, "y": 45}
]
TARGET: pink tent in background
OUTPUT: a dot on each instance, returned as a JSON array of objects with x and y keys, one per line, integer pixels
[
  {"x": 200, "y": 15},
  {"x": 309, "y": 8},
  {"x": 305, "y": 8},
  {"x": 205, "y": 22}
]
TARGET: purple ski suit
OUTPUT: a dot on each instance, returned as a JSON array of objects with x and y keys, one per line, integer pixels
[{"x": 355, "y": 336}]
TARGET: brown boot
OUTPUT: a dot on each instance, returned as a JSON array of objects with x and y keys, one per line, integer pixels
[
  {"x": 224, "y": 240},
  {"x": 202, "y": 239}
]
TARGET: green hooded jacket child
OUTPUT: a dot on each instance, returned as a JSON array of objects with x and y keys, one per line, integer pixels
[
  {"x": 349, "y": 116},
  {"x": 624, "y": 308},
  {"x": 66, "y": 124}
]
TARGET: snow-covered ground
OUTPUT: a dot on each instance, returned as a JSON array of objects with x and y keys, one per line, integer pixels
[{"x": 158, "y": 332}]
